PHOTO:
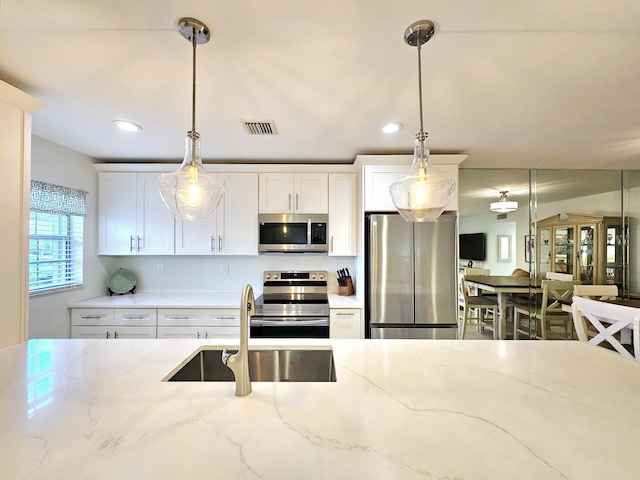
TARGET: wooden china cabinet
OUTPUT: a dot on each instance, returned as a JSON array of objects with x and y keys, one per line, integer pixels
[{"x": 589, "y": 247}]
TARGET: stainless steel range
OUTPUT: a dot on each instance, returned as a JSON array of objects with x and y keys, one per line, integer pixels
[{"x": 293, "y": 304}]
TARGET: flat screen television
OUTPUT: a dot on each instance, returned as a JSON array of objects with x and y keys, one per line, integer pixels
[{"x": 472, "y": 246}]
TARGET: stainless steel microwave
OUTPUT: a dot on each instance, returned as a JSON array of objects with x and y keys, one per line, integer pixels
[{"x": 293, "y": 233}]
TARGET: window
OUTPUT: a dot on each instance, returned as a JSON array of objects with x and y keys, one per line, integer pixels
[{"x": 56, "y": 225}]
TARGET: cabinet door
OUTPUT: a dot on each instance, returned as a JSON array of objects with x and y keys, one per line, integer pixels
[
  {"x": 221, "y": 332},
  {"x": 343, "y": 222},
  {"x": 91, "y": 332},
  {"x": 563, "y": 258},
  {"x": 310, "y": 193},
  {"x": 238, "y": 214},
  {"x": 378, "y": 179},
  {"x": 155, "y": 225},
  {"x": 276, "y": 193},
  {"x": 128, "y": 333},
  {"x": 180, "y": 332},
  {"x": 117, "y": 212},
  {"x": 345, "y": 323},
  {"x": 199, "y": 238}
]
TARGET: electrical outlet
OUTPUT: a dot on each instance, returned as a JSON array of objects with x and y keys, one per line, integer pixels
[
  {"x": 160, "y": 267},
  {"x": 224, "y": 268}
]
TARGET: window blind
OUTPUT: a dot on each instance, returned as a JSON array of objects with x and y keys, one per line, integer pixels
[{"x": 56, "y": 229}]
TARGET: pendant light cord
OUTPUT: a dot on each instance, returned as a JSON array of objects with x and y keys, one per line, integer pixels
[
  {"x": 420, "y": 87},
  {"x": 193, "y": 95}
]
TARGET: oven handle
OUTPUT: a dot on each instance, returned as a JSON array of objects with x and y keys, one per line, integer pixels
[{"x": 321, "y": 322}]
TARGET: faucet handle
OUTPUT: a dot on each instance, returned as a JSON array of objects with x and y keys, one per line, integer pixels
[{"x": 226, "y": 355}]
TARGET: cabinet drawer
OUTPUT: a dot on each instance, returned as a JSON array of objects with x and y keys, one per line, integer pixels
[
  {"x": 92, "y": 316},
  {"x": 135, "y": 317},
  {"x": 176, "y": 317},
  {"x": 229, "y": 317}
]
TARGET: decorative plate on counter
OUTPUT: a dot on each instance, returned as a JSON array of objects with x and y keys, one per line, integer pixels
[{"x": 121, "y": 281}]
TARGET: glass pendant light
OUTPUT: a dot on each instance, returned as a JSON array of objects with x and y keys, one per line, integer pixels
[
  {"x": 422, "y": 195},
  {"x": 189, "y": 192},
  {"x": 503, "y": 205}
]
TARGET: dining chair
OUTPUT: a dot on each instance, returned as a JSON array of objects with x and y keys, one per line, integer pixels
[
  {"x": 567, "y": 277},
  {"x": 549, "y": 312},
  {"x": 475, "y": 309},
  {"x": 596, "y": 292},
  {"x": 608, "y": 319}
]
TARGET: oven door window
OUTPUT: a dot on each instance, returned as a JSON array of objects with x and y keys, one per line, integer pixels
[{"x": 283, "y": 233}]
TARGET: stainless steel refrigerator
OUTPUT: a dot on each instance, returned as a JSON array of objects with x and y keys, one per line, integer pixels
[{"x": 411, "y": 277}]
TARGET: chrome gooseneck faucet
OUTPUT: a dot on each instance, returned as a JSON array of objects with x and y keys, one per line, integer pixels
[{"x": 239, "y": 361}]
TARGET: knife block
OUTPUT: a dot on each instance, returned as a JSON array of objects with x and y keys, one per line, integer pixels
[{"x": 348, "y": 289}]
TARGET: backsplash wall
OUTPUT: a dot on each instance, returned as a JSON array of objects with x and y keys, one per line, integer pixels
[{"x": 205, "y": 274}]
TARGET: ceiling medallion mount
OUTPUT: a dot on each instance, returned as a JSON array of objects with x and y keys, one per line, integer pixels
[
  {"x": 189, "y": 27},
  {"x": 419, "y": 33}
]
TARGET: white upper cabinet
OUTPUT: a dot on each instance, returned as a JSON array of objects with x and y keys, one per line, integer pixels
[
  {"x": 378, "y": 179},
  {"x": 133, "y": 218},
  {"x": 293, "y": 193},
  {"x": 343, "y": 238},
  {"x": 232, "y": 229}
]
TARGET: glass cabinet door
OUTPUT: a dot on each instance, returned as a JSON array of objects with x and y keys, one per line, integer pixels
[
  {"x": 544, "y": 249},
  {"x": 586, "y": 254},
  {"x": 614, "y": 244},
  {"x": 563, "y": 255}
]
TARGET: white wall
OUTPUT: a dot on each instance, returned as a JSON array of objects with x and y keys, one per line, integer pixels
[
  {"x": 516, "y": 225},
  {"x": 50, "y": 162}
]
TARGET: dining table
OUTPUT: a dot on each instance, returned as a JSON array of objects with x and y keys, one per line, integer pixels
[{"x": 503, "y": 286}]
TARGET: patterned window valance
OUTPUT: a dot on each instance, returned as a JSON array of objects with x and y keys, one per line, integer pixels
[{"x": 48, "y": 198}]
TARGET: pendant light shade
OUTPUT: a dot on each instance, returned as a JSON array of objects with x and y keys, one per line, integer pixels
[
  {"x": 190, "y": 193},
  {"x": 503, "y": 205},
  {"x": 422, "y": 195}
]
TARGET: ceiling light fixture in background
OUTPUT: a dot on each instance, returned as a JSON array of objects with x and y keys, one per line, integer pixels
[
  {"x": 392, "y": 127},
  {"x": 503, "y": 205},
  {"x": 422, "y": 195},
  {"x": 189, "y": 192},
  {"x": 127, "y": 126}
]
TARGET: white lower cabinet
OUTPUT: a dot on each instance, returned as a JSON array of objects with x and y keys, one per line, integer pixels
[
  {"x": 199, "y": 323},
  {"x": 113, "y": 323},
  {"x": 345, "y": 323}
]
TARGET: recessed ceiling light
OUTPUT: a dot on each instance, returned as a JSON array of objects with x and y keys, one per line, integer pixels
[
  {"x": 392, "y": 127},
  {"x": 127, "y": 126}
]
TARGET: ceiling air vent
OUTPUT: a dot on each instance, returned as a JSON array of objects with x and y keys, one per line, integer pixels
[{"x": 259, "y": 127}]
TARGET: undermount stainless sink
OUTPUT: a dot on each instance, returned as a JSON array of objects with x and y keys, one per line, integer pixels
[{"x": 266, "y": 364}]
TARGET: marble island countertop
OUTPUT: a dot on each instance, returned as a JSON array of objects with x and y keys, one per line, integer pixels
[
  {"x": 402, "y": 409},
  {"x": 188, "y": 300}
]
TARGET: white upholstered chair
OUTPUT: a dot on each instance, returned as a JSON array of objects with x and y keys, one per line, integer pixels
[
  {"x": 608, "y": 319},
  {"x": 474, "y": 309}
]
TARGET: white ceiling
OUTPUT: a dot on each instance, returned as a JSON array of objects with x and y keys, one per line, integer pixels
[{"x": 513, "y": 84}]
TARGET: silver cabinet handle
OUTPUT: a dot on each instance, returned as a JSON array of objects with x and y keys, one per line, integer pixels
[
  {"x": 115, "y": 334},
  {"x": 89, "y": 317},
  {"x": 131, "y": 243},
  {"x": 108, "y": 334},
  {"x": 219, "y": 244},
  {"x": 138, "y": 242},
  {"x": 213, "y": 243},
  {"x": 340, "y": 314},
  {"x": 206, "y": 334},
  {"x": 297, "y": 203},
  {"x": 331, "y": 247},
  {"x": 198, "y": 335},
  {"x": 289, "y": 203}
]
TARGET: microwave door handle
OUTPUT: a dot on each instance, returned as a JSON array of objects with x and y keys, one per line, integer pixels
[{"x": 309, "y": 232}]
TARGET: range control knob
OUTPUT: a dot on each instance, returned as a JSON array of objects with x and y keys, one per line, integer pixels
[
  {"x": 267, "y": 276},
  {"x": 321, "y": 277},
  {"x": 313, "y": 276},
  {"x": 275, "y": 276}
]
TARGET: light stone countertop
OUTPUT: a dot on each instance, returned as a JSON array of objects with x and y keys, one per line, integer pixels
[
  {"x": 401, "y": 409},
  {"x": 188, "y": 300}
]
